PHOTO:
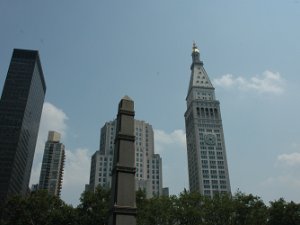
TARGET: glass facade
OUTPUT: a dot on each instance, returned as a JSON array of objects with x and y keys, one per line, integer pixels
[{"x": 20, "y": 112}]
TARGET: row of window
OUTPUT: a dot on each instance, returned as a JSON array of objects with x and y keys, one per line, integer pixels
[
  {"x": 223, "y": 182},
  {"x": 215, "y": 186},
  {"x": 211, "y": 153},
  {"x": 212, "y": 167},
  {"x": 207, "y": 104},
  {"x": 211, "y": 113},
  {"x": 213, "y": 176},
  {"x": 212, "y": 162},
  {"x": 207, "y": 192},
  {"x": 208, "y": 125},
  {"x": 105, "y": 158},
  {"x": 212, "y": 157},
  {"x": 102, "y": 180}
]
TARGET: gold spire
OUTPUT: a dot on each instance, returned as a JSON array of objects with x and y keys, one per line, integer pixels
[{"x": 195, "y": 48}]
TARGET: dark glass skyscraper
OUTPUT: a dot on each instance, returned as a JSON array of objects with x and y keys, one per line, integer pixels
[{"x": 20, "y": 112}]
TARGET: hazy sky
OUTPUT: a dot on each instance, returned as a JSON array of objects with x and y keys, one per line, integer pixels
[{"x": 95, "y": 52}]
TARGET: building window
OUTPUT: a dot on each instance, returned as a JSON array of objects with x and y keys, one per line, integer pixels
[{"x": 207, "y": 192}]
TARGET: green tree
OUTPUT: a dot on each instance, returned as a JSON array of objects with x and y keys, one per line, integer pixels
[
  {"x": 157, "y": 210},
  {"x": 249, "y": 210},
  {"x": 41, "y": 205},
  {"x": 189, "y": 210},
  {"x": 94, "y": 207},
  {"x": 15, "y": 212},
  {"x": 283, "y": 213},
  {"x": 218, "y": 210},
  {"x": 141, "y": 204},
  {"x": 64, "y": 215},
  {"x": 37, "y": 208},
  {"x": 292, "y": 213}
]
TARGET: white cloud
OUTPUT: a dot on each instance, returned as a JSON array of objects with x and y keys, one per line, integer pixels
[
  {"x": 292, "y": 159},
  {"x": 164, "y": 140},
  {"x": 77, "y": 164},
  {"x": 172, "y": 149},
  {"x": 267, "y": 82},
  {"x": 76, "y": 167},
  {"x": 76, "y": 175},
  {"x": 287, "y": 181},
  {"x": 52, "y": 118},
  {"x": 286, "y": 186}
]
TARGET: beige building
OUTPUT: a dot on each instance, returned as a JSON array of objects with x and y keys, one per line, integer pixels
[
  {"x": 148, "y": 164},
  {"x": 53, "y": 164}
]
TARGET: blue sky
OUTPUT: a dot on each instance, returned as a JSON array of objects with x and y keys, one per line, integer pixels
[{"x": 95, "y": 52}]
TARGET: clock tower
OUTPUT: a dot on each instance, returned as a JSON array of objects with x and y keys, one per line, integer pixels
[{"x": 207, "y": 161}]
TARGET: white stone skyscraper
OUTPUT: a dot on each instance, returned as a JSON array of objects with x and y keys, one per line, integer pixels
[
  {"x": 53, "y": 164},
  {"x": 207, "y": 162},
  {"x": 148, "y": 164}
]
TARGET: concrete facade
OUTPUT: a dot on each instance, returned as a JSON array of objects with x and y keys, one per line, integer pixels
[
  {"x": 207, "y": 161},
  {"x": 53, "y": 165},
  {"x": 123, "y": 205},
  {"x": 148, "y": 164}
]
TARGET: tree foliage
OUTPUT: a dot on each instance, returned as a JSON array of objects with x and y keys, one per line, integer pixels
[
  {"x": 248, "y": 210},
  {"x": 219, "y": 210},
  {"x": 283, "y": 213},
  {"x": 185, "y": 209},
  {"x": 39, "y": 208},
  {"x": 94, "y": 207},
  {"x": 188, "y": 208}
]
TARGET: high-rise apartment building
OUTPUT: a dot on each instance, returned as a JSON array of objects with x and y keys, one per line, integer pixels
[
  {"x": 148, "y": 164},
  {"x": 207, "y": 162},
  {"x": 53, "y": 165},
  {"x": 20, "y": 112}
]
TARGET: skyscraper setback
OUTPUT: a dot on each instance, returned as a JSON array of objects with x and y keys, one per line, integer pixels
[
  {"x": 148, "y": 174},
  {"x": 207, "y": 161},
  {"x": 20, "y": 112},
  {"x": 53, "y": 164}
]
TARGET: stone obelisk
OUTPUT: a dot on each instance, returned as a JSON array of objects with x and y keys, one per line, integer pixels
[{"x": 123, "y": 207}]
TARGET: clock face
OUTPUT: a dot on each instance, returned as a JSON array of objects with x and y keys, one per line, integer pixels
[{"x": 210, "y": 139}]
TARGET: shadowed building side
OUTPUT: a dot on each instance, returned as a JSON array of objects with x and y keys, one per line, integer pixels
[{"x": 20, "y": 112}]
